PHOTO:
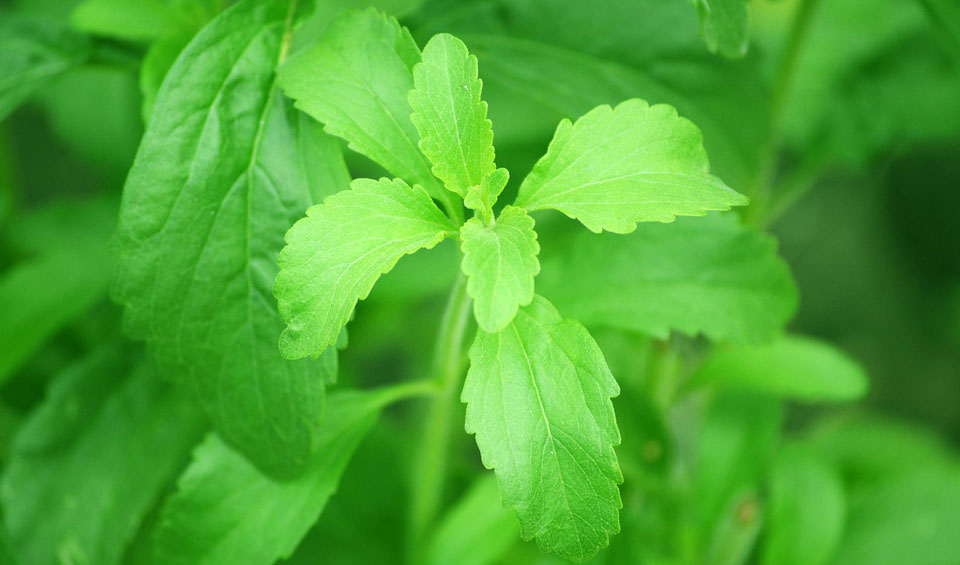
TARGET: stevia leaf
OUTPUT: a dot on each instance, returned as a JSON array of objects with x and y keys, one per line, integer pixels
[
  {"x": 477, "y": 530},
  {"x": 68, "y": 273},
  {"x": 615, "y": 167},
  {"x": 500, "y": 261},
  {"x": 697, "y": 275},
  {"x": 143, "y": 20},
  {"x": 222, "y": 172},
  {"x": 33, "y": 53},
  {"x": 483, "y": 197},
  {"x": 450, "y": 116},
  {"x": 355, "y": 80},
  {"x": 906, "y": 519},
  {"x": 90, "y": 462},
  {"x": 806, "y": 511},
  {"x": 538, "y": 399},
  {"x": 793, "y": 367},
  {"x": 338, "y": 251},
  {"x": 227, "y": 511},
  {"x": 723, "y": 24}
]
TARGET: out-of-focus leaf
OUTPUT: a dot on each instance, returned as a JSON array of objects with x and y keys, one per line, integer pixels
[
  {"x": 907, "y": 519},
  {"x": 723, "y": 24},
  {"x": 227, "y": 511},
  {"x": 708, "y": 275},
  {"x": 792, "y": 367},
  {"x": 90, "y": 462},
  {"x": 477, "y": 530},
  {"x": 806, "y": 511},
  {"x": 143, "y": 20},
  {"x": 156, "y": 63},
  {"x": 946, "y": 16},
  {"x": 224, "y": 169},
  {"x": 68, "y": 273},
  {"x": 735, "y": 449},
  {"x": 32, "y": 53}
]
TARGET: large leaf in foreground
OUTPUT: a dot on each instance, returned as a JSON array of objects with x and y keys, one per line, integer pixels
[
  {"x": 89, "y": 463},
  {"x": 455, "y": 133},
  {"x": 355, "y": 80},
  {"x": 615, "y": 167},
  {"x": 501, "y": 262},
  {"x": 226, "y": 511},
  {"x": 538, "y": 399},
  {"x": 218, "y": 179},
  {"x": 335, "y": 255},
  {"x": 707, "y": 275}
]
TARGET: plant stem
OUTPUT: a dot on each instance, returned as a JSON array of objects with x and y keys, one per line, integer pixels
[
  {"x": 783, "y": 82},
  {"x": 428, "y": 475}
]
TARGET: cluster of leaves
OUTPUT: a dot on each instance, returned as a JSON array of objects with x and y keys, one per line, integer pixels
[{"x": 245, "y": 246}]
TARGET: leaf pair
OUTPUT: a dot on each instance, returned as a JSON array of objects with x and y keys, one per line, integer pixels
[{"x": 538, "y": 389}]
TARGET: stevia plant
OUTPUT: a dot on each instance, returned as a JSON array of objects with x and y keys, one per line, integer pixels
[{"x": 538, "y": 388}]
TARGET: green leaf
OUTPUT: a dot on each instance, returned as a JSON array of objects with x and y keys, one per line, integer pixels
[
  {"x": 143, "y": 20},
  {"x": 708, "y": 275},
  {"x": 735, "y": 448},
  {"x": 455, "y": 133},
  {"x": 156, "y": 63},
  {"x": 90, "y": 462},
  {"x": 723, "y": 24},
  {"x": 538, "y": 399},
  {"x": 355, "y": 80},
  {"x": 794, "y": 367},
  {"x": 220, "y": 175},
  {"x": 618, "y": 166},
  {"x": 33, "y": 53},
  {"x": 335, "y": 255},
  {"x": 501, "y": 261},
  {"x": 806, "y": 511},
  {"x": 483, "y": 198},
  {"x": 68, "y": 276},
  {"x": 477, "y": 530},
  {"x": 226, "y": 511},
  {"x": 907, "y": 519}
]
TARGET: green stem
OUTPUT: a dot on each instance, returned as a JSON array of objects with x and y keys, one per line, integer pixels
[
  {"x": 402, "y": 391},
  {"x": 783, "y": 82},
  {"x": 428, "y": 475}
]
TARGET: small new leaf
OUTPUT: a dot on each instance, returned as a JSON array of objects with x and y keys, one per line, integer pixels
[
  {"x": 538, "y": 399},
  {"x": 335, "y": 255},
  {"x": 455, "y": 133},
  {"x": 500, "y": 261},
  {"x": 723, "y": 24},
  {"x": 618, "y": 166},
  {"x": 483, "y": 197}
]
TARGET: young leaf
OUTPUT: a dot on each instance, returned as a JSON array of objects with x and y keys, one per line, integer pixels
[
  {"x": 708, "y": 275},
  {"x": 476, "y": 531},
  {"x": 226, "y": 511},
  {"x": 90, "y": 462},
  {"x": 32, "y": 53},
  {"x": 538, "y": 399},
  {"x": 792, "y": 367},
  {"x": 455, "y": 133},
  {"x": 355, "y": 80},
  {"x": 806, "y": 511},
  {"x": 335, "y": 255},
  {"x": 483, "y": 197},
  {"x": 219, "y": 177},
  {"x": 723, "y": 24},
  {"x": 615, "y": 167},
  {"x": 501, "y": 262}
]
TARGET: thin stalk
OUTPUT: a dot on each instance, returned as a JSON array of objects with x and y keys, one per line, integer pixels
[
  {"x": 783, "y": 82},
  {"x": 428, "y": 476}
]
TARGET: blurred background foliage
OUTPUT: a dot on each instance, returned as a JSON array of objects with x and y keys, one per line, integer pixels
[{"x": 839, "y": 118}]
